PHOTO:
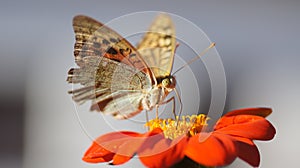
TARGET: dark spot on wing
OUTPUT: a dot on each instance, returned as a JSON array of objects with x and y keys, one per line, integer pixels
[
  {"x": 77, "y": 45},
  {"x": 106, "y": 42},
  {"x": 85, "y": 47},
  {"x": 125, "y": 52},
  {"x": 112, "y": 51},
  {"x": 71, "y": 71},
  {"x": 117, "y": 60},
  {"x": 78, "y": 37},
  {"x": 97, "y": 84},
  {"x": 132, "y": 55},
  {"x": 167, "y": 36},
  {"x": 113, "y": 40},
  {"x": 122, "y": 51},
  {"x": 96, "y": 45},
  {"x": 76, "y": 52}
]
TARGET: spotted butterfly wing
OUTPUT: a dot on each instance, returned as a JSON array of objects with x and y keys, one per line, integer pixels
[
  {"x": 95, "y": 39},
  {"x": 158, "y": 46},
  {"x": 112, "y": 72}
]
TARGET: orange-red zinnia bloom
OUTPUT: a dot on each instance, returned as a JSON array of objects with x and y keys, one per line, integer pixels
[{"x": 232, "y": 137}]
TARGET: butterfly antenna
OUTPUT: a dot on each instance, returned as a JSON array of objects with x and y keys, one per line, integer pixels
[
  {"x": 196, "y": 58},
  {"x": 180, "y": 108}
]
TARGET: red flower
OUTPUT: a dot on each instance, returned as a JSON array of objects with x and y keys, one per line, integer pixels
[{"x": 168, "y": 143}]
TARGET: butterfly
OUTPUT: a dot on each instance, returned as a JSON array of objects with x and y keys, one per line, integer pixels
[{"x": 118, "y": 78}]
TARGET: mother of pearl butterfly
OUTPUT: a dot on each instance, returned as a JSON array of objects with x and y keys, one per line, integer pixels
[{"x": 118, "y": 78}]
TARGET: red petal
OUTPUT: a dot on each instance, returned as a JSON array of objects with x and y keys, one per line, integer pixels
[
  {"x": 104, "y": 147},
  {"x": 116, "y": 135},
  {"x": 128, "y": 148},
  {"x": 113, "y": 141},
  {"x": 126, "y": 151},
  {"x": 247, "y": 126},
  {"x": 249, "y": 153},
  {"x": 215, "y": 150},
  {"x": 116, "y": 146},
  {"x": 251, "y": 113},
  {"x": 162, "y": 152},
  {"x": 96, "y": 154},
  {"x": 244, "y": 140},
  {"x": 259, "y": 111}
]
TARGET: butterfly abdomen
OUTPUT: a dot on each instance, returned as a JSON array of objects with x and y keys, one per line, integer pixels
[{"x": 153, "y": 97}]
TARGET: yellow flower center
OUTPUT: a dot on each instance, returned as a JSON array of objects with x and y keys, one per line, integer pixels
[{"x": 188, "y": 125}]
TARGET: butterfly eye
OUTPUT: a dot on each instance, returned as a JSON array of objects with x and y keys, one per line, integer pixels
[
  {"x": 166, "y": 82},
  {"x": 169, "y": 82},
  {"x": 172, "y": 82}
]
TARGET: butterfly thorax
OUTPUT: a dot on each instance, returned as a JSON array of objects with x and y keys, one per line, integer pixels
[{"x": 157, "y": 94}]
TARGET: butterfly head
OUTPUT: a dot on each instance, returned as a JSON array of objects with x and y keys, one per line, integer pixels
[{"x": 168, "y": 83}]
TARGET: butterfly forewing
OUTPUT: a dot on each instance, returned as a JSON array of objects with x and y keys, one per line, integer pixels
[
  {"x": 95, "y": 39},
  {"x": 110, "y": 69},
  {"x": 158, "y": 46}
]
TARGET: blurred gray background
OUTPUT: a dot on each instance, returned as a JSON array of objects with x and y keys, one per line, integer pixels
[{"x": 258, "y": 42}]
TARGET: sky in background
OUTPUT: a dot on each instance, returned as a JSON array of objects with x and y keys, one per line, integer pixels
[{"x": 258, "y": 43}]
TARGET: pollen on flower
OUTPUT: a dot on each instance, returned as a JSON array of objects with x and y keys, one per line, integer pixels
[{"x": 186, "y": 125}]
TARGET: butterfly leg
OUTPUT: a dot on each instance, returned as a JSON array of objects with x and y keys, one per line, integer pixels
[
  {"x": 147, "y": 118},
  {"x": 156, "y": 112},
  {"x": 180, "y": 109}
]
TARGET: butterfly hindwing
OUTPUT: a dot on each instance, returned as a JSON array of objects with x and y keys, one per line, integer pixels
[{"x": 106, "y": 83}]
